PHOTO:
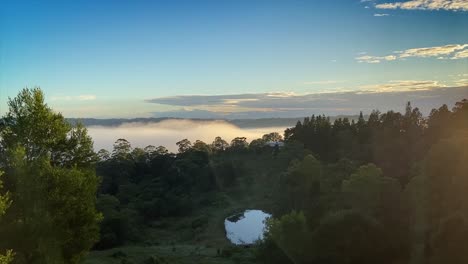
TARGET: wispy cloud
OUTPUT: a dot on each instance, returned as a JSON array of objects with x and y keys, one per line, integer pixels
[
  {"x": 375, "y": 59},
  {"x": 381, "y": 15},
  {"x": 461, "y": 82},
  {"x": 402, "y": 86},
  {"x": 325, "y": 82},
  {"x": 451, "y": 5},
  {"x": 433, "y": 51},
  {"x": 84, "y": 97},
  {"x": 452, "y": 51},
  {"x": 460, "y": 55}
]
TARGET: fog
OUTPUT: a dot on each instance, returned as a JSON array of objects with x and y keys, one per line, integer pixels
[{"x": 168, "y": 132}]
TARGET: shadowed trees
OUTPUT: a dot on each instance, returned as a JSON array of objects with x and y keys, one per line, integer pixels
[{"x": 4, "y": 204}]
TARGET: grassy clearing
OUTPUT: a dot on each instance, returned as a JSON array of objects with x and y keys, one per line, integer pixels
[
  {"x": 180, "y": 253},
  {"x": 200, "y": 237}
]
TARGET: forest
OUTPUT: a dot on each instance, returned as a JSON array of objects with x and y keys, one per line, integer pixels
[{"x": 388, "y": 187}]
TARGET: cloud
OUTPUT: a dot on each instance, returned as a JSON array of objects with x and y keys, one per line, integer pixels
[
  {"x": 452, "y": 51},
  {"x": 432, "y": 51},
  {"x": 381, "y": 15},
  {"x": 322, "y": 82},
  {"x": 389, "y": 95},
  {"x": 375, "y": 59},
  {"x": 85, "y": 97},
  {"x": 402, "y": 86},
  {"x": 460, "y": 55},
  {"x": 450, "y": 5},
  {"x": 461, "y": 82}
]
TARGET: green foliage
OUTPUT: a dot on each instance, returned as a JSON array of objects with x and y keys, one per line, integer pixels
[
  {"x": 349, "y": 237},
  {"x": 291, "y": 235},
  {"x": 219, "y": 144},
  {"x": 367, "y": 189},
  {"x": 4, "y": 198},
  {"x": 437, "y": 197},
  {"x": 33, "y": 126},
  {"x": 4, "y": 204},
  {"x": 54, "y": 208},
  {"x": 273, "y": 136},
  {"x": 239, "y": 143},
  {"x": 50, "y": 176},
  {"x": 303, "y": 182},
  {"x": 7, "y": 258},
  {"x": 184, "y": 145}
]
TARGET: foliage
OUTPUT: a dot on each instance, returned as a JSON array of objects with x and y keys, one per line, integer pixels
[
  {"x": 291, "y": 235},
  {"x": 49, "y": 173},
  {"x": 4, "y": 204},
  {"x": 349, "y": 237}
]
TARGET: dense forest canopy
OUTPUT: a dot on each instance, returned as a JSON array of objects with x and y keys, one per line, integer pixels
[{"x": 389, "y": 188}]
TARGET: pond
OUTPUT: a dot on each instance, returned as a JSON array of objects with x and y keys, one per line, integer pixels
[{"x": 247, "y": 227}]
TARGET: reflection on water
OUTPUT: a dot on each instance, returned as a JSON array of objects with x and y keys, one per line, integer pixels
[{"x": 247, "y": 227}]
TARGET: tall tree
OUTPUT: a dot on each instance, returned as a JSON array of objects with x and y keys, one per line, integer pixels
[
  {"x": 49, "y": 169},
  {"x": 219, "y": 144},
  {"x": 184, "y": 145},
  {"x": 32, "y": 125}
]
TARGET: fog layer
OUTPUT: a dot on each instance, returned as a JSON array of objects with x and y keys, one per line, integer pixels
[{"x": 168, "y": 132}]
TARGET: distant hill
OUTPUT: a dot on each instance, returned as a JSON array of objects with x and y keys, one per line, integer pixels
[{"x": 242, "y": 123}]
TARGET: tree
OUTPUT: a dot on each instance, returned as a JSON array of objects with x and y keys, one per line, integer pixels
[
  {"x": 219, "y": 144},
  {"x": 291, "y": 235},
  {"x": 438, "y": 199},
  {"x": 362, "y": 189},
  {"x": 303, "y": 183},
  {"x": 273, "y": 136},
  {"x": 4, "y": 204},
  {"x": 122, "y": 149},
  {"x": 152, "y": 151},
  {"x": 239, "y": 143},
  {"x": 103, "y": 155},
  {"x": 349, "y": 237},
  {"x": 201, "y": 146},
  {"x": 257, "y": 144},
  {"x": 184, "y": 145},
  {"x": 49, "y": 167},
  {"x": 32, "y": 125}
]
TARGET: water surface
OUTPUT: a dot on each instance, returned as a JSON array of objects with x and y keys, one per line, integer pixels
[{"x": 247, "y": 227}]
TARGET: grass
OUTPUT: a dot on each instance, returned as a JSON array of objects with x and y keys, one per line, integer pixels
[{"x": 180, "y": 253}]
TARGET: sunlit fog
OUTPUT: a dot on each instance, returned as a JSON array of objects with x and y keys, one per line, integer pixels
[{"x": 168, "y": 132}]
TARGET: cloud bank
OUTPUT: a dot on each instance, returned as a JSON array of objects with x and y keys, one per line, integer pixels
[
  {"x": 425, "y": 94},
  {"x": 450, "y": 5},
  {"x": 452, "y": 51}
]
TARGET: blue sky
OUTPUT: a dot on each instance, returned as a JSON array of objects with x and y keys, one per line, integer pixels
[{"x": 124, "y": 58}]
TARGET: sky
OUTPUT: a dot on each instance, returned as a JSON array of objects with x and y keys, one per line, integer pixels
[{"x": 229, "y": 59}]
